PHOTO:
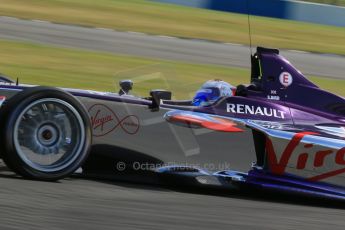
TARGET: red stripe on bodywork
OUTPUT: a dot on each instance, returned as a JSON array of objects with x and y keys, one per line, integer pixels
[
  {"x": 327, "y": 175},
  {"x": 223, "y": 125}
]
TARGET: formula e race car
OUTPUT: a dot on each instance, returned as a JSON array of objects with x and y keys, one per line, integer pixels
[{"x": 292, "y": 131}]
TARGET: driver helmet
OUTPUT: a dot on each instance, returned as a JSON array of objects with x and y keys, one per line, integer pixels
[{"x": 211, "y": 91}]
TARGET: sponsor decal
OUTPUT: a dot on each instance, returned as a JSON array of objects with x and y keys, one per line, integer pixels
[
  {"x": 254, "y": 110},
  {"x": 270, "y": 125},
  {"x": 273, "y": 97},
  {"x": 318, "y": 158},
  {"x": 104, "y": 121},
  {"x": 285, "y": 79}
]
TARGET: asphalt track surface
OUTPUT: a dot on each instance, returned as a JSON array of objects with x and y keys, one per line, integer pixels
[
  {"x": 79, "y": 203},
  {"x": 76, "y": 203},
  {"x": 161, "y": 47}
]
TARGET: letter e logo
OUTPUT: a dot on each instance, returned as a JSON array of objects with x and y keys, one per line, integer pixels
[{"x": 285, "y": 79}]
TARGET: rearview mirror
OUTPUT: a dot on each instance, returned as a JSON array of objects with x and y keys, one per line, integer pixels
[{"x": 156, "y": 96}]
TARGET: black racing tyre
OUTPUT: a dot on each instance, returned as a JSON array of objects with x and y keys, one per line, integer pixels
[{"x": 45, "y": 133}]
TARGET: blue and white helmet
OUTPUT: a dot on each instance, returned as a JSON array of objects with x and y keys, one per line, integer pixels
[{"x": 211, "y": 91}]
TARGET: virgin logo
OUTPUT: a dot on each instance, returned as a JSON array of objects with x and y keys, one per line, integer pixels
[
  {"x": 318, "y": 158},
  {"x": 104, "y": 121},
  {"x": 99, "y": 122}
]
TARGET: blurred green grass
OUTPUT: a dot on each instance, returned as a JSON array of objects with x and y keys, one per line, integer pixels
[
  {"x": 62, "y": 67},
  {"x": 330, "y": 2},
  {"x": 156, "y": 18},
  {"x": 44, "y": 65}
]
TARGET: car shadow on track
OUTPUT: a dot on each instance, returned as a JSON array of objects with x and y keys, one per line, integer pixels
[
  {"x": 152, "y": 183},
  {"x": 254, "y": 195}
]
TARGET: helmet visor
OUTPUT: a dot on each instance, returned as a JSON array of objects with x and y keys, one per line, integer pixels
[{"x": 206, "y": 96}]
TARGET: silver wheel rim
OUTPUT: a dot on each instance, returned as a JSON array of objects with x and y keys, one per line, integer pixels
[{"x": 49, "y": 135}]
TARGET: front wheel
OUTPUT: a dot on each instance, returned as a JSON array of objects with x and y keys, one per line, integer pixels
[{"x": 46, "y": 133}]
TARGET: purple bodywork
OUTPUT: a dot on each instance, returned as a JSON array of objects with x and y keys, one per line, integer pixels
[{"x": 294, "y": 112}]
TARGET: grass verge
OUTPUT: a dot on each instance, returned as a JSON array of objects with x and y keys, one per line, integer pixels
[
  {"x": 330, "y": 2},
  {"x": 62, "y": 67},
  {"x": 156, "y": 18}
]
